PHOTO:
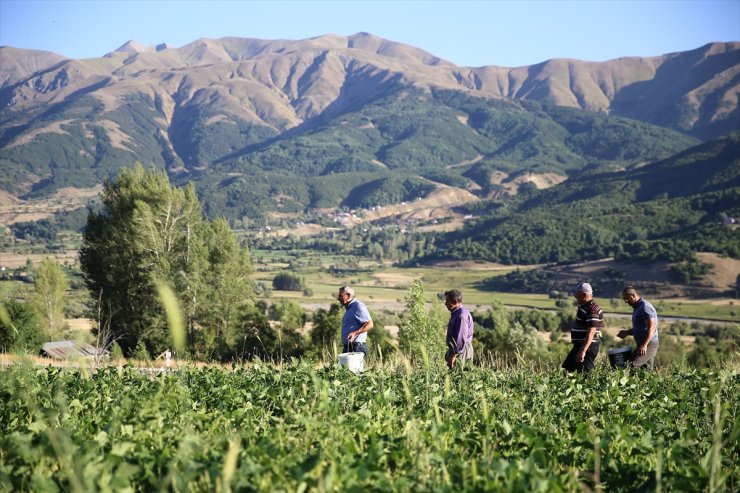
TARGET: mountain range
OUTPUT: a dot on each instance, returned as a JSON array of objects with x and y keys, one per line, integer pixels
[{"x": 286, "y": 126}]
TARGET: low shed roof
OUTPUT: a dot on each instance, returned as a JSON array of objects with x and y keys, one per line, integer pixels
[{"x": 71, "y": 349}]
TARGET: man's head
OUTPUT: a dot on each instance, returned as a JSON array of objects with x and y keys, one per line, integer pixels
[
  {"x": 583, "y": 292},
  {"x": 630, "y": 295},
  {"x": 453, "y": 299},
  {"x": 346, "y": 295}
]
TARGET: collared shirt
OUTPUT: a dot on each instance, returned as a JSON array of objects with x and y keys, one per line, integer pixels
[
  {"x": 459, "y": 329},
  {"x": 641, "y": 311},
  {"x": 353, "y": 318},
  {"x": 588, "y": 316}
]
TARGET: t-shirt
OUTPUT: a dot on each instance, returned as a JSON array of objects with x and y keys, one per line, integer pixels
[
  {"x": 589, "y": 315},
  {"x": 640, "y": 313},
  {"x": 353, "y": 318}
]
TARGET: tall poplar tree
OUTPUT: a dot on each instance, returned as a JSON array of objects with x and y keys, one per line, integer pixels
[{"x": 50, "y": 286}]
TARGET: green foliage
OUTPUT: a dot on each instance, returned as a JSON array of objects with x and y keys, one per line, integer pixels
[
  {"x": 658, "y": 211},
  {"x": 140, "y": 352},
  {"x": 691, "y": 270},
  {"x": 148, "y": 233},
  {"x": 377, "y": 243},
  {"x": 116, "y": 353},
  {"x": 259, "y": 339},
  {"x": 290, "y": 314},
  {"x": 43, "y": 230},
  {"x": 380, "y": 340},
  {"x": 421, "y": 330},
  {"x": 326, "y": 331},
  {"x": 287, "y": 281},
  {"x": 47, "y": 230},
  {"x": 386, "y": 191},
  {"x": 524, "y": 281},
  {"x": 508, "y": 338},
  {"x": 296, "y": 427},
  {"x": 715, "y": 347},
  {"x": 21, "y": 330},
  {"x": 50, "y": 286}
]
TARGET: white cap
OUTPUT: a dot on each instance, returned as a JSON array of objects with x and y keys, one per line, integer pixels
[{"x": 584, "y": 287}]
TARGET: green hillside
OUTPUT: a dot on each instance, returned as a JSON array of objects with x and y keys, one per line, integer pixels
[
  {"x": 369, "y": 156},
  {"x": 668, "y": 210}
]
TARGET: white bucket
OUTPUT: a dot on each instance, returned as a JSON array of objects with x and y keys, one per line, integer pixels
[{"x": 355, "y": 362}]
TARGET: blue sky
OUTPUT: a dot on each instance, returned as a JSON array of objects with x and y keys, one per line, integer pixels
[{"x": 468, "y": 33}]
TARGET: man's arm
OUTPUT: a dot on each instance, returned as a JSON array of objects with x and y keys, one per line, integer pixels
[
  {"x": 586, "y": 344},
  {"x": 363, "y": 328},
  {"x": 650, "y": 322}
]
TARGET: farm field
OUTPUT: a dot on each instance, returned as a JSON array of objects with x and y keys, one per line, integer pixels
[
  {"x": 384, "y": 286},
  {"x": 396, "y": 427}
]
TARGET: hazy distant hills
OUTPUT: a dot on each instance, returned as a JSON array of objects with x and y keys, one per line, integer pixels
[{"x": 358, "y": 119}]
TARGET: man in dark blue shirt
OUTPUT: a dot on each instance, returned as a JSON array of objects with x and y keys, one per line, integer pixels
[
  {"x": 644, "y": 328},
  {"x": 459, "y": 329}
]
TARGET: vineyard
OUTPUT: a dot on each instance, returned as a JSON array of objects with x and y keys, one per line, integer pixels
[{"x": 396, "y": 427}]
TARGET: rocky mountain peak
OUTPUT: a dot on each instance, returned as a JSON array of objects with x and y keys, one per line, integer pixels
[{"x": 132, "y": 47}]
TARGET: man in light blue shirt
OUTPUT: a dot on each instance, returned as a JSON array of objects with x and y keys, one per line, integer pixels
[
  {"x": 356, "y": 322},
  {"x": 644, "y": 328}
]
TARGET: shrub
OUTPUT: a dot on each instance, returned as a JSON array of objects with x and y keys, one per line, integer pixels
[{"x": 286, "y": 281}]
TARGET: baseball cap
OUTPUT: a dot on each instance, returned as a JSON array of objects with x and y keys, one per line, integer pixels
[{"x": 584, "y": 287}]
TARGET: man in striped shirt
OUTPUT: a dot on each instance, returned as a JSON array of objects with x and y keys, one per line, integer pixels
[{"x": 585, "y": 332}]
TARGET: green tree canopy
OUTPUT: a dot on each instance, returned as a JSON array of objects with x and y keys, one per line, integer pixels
[
  {"x": 19, "y": 328},
  {"x": 149, "y": 233}
]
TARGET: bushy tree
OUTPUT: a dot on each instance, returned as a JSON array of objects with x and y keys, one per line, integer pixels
[
  {"x": 290, "y": 314},
  {"x": 259, "y": 339},
  {"x": 380, "y": 339},
  {"x": 50, "y": 286},
  {"x": 326, "y": 329},
  {"x": 509, "y": 345},
  {"x": 148, "y": 233},
  {"x": 286, "y": 281},
  {"x": 506, "y": 337},
  {"x": 228, "y": 288},
  {"x": 19, "y": 328}
]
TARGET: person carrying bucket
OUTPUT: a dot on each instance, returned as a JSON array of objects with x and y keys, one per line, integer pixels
[
  {"x": 644, "y": 328},
  {"x": 585, "y": 332},
  {"x": 356, "y": 322},
  {"x": 459, "y": 337}
]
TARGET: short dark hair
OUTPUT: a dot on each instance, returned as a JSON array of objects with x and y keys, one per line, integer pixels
[
  {"x": 628, "y": 290},
  {"x": 454, "y": 295}
]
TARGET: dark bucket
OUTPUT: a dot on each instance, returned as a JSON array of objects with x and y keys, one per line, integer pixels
[{"x": 619, "y": 357}]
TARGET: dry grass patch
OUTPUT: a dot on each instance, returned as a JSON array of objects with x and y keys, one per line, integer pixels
[
  {"x": 14, "y": 210},
  {"x": 723, "y": 275},
  {"x": 16, "y": 260},
  {"x": 394, "y": 279}
]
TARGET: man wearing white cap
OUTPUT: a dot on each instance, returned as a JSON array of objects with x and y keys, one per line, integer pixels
[{"x": 585, "y": 332}]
